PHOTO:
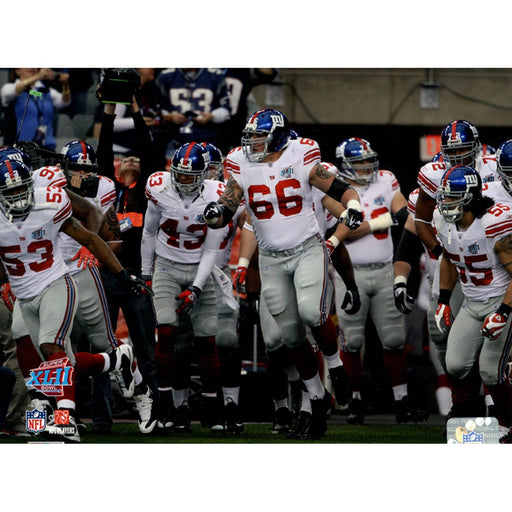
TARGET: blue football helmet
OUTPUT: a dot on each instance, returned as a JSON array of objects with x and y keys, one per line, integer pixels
[
  {"x": 438, "y": 157},
  {"x": 488, "y": 150},
  {"x": 216, "y": 167},
  {"x": 189, "y": 168},
  {"x": 357, "y": 161},
  {"x": 504, "y": 164},
  {"x": 80, "y": 168},
  {"x": 460, "y": 186},
  {"x": 265, "y": 132},
  {"x": 460, "y": 143},
  {"x": 16, "y": 155},
  {"x": 16, "y": 189}
]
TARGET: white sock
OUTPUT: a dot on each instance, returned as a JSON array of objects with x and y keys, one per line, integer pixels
[
  {"x": 230, "y": 395},
  {"x": 278, "y": 404},
  {"x": 356, "y": 394},
  {"x": 333, "y": 361},
  {"x": 106, "y": 364},
  {"x": 306, "y": 402},
  {"x": 292, "y": 373},
  {"x": 179, "y": 396},
  {"x": 400, "y": 391},
  {"x": 315, "y": 387}
]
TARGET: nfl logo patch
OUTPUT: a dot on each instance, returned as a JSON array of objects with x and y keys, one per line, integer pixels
[{"x": 36, "y": 420}]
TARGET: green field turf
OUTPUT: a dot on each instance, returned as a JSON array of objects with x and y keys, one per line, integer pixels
[{"x": 127, "y": 432}]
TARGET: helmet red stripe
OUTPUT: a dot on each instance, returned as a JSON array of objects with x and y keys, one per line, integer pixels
[
  {"x": 10, "y": 169},
  {"x": 454, "y": 131},
  {"x": 187, "y": 153}
]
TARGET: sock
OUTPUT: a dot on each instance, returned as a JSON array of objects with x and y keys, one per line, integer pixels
[
  {"x": 27, "y": 355},
  {"x": 165, "y": 354},
  {"x": 356, "y": 395},
  {"x": 326, "y": 335},
  {"x": 333, "y": 361},
  {"x": 230, "y": 395},
  {"x": 315, "y": 387},
  {"x": 67, "y": 400},
  {"x": 354, "y": 368},
  {"x": 208, "y": 361},
  {"x": 279, "y": 404},
  {"x": 91, "y": 364},
  {"x": 306, "y": 402},
  {"x": 400, "y": 391},
  {"x": 394, "y": 363},
  {"x": 305, "y": 361},
  {"x": 179, "y": 396}
]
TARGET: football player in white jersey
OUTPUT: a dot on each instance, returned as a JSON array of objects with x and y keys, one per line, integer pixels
[
  {"x": 371, "y": 250},
  {"x": 29, "y": 227},
  {"x": 475, "y": 234},
  {"x": 275, "y": 175},
  {"x": 460, "y": 145},
  {"x": 179, "y": 251}
]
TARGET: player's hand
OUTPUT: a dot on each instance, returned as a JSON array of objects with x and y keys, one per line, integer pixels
[
  {"x": 8, "y": 297},
  {"x": 331, "y": 244},
  {"x": 134, "y": 284},
  {"x": 239, "y": 280},
  {"x": 85, "y": 258},
  {"x": 403, "y": 301},
  {"x": 212, "y": 213},
  {"x": 493, "y": 325},
  {"x": 354, "y": 215},
  {"x": 443, "y": 317},
  {"x": 188, "y": 298},
  {"x": 148, "y": 280},
  {"x": 352, "y": 301}
]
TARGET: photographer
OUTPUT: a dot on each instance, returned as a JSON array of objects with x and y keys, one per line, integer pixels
[
  {"x": 31, "y": 104},
  {"x": 131, "y": 204}
]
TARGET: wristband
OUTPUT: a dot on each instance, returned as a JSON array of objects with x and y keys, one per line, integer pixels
[
  {"x": 444, "y": 296},
  {"x": 243, "y": 262},
  {"x": 504, "y": 310},
  {"x": 400, "y": 280},
  {"x": 334, "y": 241}
]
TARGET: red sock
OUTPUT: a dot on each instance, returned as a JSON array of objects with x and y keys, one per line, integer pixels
[
  {"x": 208, "y": 360},
  {"x": 354, "y": 367},
  {"x": 88, "y": 364},
  {"x": 396, "y": 368},
  {"x": 28, "y": 357},
  {"x": 165, "y": 355},
  {"x": 326, "y": 335}
]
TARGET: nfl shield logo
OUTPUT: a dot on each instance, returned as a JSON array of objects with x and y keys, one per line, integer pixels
[{"x": 36, "y": 420}]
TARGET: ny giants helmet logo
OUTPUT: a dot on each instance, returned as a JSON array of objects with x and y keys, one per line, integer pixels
[{"x": 277, "y": 120}]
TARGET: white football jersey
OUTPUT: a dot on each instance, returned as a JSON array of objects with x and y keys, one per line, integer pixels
[
  {"x": 182, "y": 234},
  {"x": 472, "y": 251},
  {"x": 278, "y": 195},
  {"x": 105, "y": 197},
  {"x": 30, "y": 249},
  {"x": 431, "y": 173},
  {"x": 376, "y": 199}
]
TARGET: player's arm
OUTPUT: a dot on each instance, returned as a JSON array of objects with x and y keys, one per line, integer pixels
[
  {"x": 425, "y": 206},
  {"x": 218, "y": 214},
  {"x": 87, "y": 212},
  {"x": 93, "y": 242},
  {"x": 503, "y": 249},
  {"x": 111, "y": 231}
]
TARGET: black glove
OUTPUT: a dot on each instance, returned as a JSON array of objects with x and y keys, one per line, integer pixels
[
  {"x": 212, "y": 213},
  {"x": 188, "y": 298},
  {"x": 354, "y": 218},
  {"x": 403, "y": 301},
  {"x": 352, "y": 301},
  {"x": 134, "y": 284}
]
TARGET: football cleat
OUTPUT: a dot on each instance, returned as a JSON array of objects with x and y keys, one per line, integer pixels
[
  {"x": 282, "y": 421},
  {"x": 355, "y": 412},
  {"x": 321, "y": 408},
  {"x": 340, "y": 384},
  {"x": 165, "y": 411},
  {"x": 210, "y": 414},
  {"x": 121, "y": 367},
  {"x": 233, "y": 421},
  {"x": 182, "y": 419},
  {"x": 146, "y": 409},
  {"x": 302, "y": 426},
  {"x": 405, "y": 412}
]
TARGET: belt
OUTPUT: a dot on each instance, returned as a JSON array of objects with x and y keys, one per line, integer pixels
[
  {"x": 290, "y": 252},
  {"x": 370, "y": 266}
]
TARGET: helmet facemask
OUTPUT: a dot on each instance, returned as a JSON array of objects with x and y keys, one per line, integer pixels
[
  {"x": 17, "y": 201},
  {"x": 187, "y": 182},
  {"x": 252, "y": 142},
  {"x": 460, "y": 153}
]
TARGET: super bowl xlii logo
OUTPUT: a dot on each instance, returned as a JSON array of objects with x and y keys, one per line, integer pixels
[{"x": 51, "y": 376}]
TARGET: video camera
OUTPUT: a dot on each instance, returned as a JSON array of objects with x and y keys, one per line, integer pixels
[{"x": 117, "y": 85}]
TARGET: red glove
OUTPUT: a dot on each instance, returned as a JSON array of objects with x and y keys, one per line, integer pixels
[
  {"x": 188, "y": 298},
  {"x": 443, "y": 317},
  {"x": 149, "y": 283},
  {"x": 239, "y": 280},
  {"x": 8, "y": 297},
  {"x": 85, "y": 258},
  {"x": 495, "y": 323}
]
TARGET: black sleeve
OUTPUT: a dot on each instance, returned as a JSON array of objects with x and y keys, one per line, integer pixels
[
  {"x": 337, "y": 189},
  {"x": 144, "y": 148},
  {"x": 105, "y": 152},
  {"x": 409, "y": 248}
]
